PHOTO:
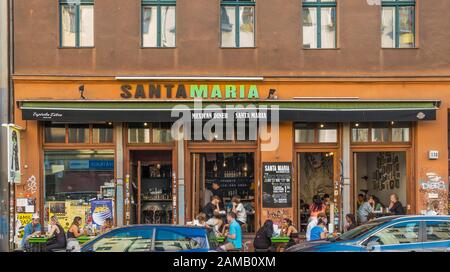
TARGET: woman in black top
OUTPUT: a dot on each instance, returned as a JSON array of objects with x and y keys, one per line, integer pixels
[
  {"x": 396, "y": 207},
  {"x": 262, "y": 241},
  {"x": 58, "y": 233}
]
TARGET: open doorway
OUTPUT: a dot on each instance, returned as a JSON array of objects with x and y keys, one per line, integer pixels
[
  {"x": 225, "y": 175},
  {"x": 316, "y": 178},
  {"x": 151, "y": 188},
  {"x": 380, "y": 174}
]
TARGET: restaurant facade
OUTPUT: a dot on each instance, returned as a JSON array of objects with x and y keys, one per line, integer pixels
[
  {"x": 114, "y": 141},
  {"x": 273, "y": 122}
]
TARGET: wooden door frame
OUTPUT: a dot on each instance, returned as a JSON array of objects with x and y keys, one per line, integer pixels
[
  {"x": 410, "y": 185},
  {"x": 127, "y": 159},
  {"x": 298, "y": 149},
  {"x": 207, "y": 147}
]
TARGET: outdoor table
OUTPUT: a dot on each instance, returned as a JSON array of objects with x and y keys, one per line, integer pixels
[
  {"x": 280, "y": 242},
  {"x": 219, "y": 239},
  {"x": 38, "y": 243}
]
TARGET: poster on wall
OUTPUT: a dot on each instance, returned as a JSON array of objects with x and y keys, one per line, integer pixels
[
  {"x": 13, "y": 154},
  {"x": 277, "y": 185},
  {"x": 66, "y": 211},
  {"x": 101, "y": 210}
]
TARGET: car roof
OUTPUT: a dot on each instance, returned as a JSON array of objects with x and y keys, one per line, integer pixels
[{"x": 411, "y": 217}]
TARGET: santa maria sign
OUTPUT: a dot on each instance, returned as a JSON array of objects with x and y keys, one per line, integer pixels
[{"x": 186, "y": 91}]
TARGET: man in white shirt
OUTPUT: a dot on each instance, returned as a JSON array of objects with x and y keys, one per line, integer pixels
[{"x": 313, "y": 223}]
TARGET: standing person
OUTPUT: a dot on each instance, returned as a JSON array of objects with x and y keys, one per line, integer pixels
[
  {"x": 396, "y": 207},
  {"x": 319, "y": 232},
  {"x": 359, "y": 201},
  {"x": 239, "y": 210},
  {"x": 217, "y": 191},
  {"x": 57, "y": 232},
  {"x": 234, "y": 236},
  {"x": 262, "y": 241},
  {"x": 375, "y": 203},
  {"x": 32, "y": 228},
  {"x": 365, "y": 209},
  {"x": 350, "y": 222},
  {"x": 207, "y": 195},
  {"x": 316, "y": 207},
  {"x": 290, "y": 231},
  {"x": 211, "y": 207},
  {"x": 313, "y": 223}
]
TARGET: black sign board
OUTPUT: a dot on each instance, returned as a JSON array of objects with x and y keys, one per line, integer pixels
[{"x": 277, "y": 185}]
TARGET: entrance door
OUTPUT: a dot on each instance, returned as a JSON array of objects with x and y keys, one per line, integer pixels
[
  {"x": 317, "y": 178},
  {"x": 378, "y": 175},
  {"x": 152, "y": 187}
]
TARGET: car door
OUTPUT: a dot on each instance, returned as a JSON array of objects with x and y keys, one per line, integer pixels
[
  {"x": 124, "y": 240},
  {"x": 402, "y": 236},
  {"x": 175, "y": 240},
  {"x": 437, "y": 236}
]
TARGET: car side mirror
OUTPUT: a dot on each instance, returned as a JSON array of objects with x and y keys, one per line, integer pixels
[{"x": 373, "y": 243}]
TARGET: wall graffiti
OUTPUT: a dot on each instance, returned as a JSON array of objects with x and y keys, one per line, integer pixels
[
  {"x": 433, "y": 189},
  {"x": 31, "y": 185}
]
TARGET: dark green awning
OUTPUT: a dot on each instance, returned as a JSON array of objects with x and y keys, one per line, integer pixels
[{"x": 288, "y": 110}]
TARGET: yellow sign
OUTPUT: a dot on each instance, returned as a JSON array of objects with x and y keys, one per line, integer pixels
[
  {"x": 67, "y": 211},
  {"x": 24, "y": 219}
]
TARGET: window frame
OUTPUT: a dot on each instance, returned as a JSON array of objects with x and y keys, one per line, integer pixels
[
  {"x": 237, "y": 4},
  {"x": 63, "y": 3},
  {"x": 158, "y": 4},
  {"x": 396, "y": 4},
  {"x": 425, "y": 231},
  {"x": 370, "y": 126},
  {"x": 317, "y": 127},
  {"x": 318, "y": 6},
  {"x": 89, "y": 142}
]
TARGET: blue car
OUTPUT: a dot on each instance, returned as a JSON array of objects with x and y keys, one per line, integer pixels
[
  {"x": 388, "y": 234},
  {"x": 151, "y": 238}
]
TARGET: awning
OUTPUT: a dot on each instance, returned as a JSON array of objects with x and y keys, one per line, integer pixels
[{"x": 288, "y": 110}]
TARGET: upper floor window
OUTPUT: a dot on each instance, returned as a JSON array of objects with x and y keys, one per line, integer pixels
[
  {"x": 398, "y": 24},
  {"x": 237, "y": 23},
  {"x": 309, "y": 133},
  {"x": 319, "y": 24},
  {"x": 158, "y": 23},
  {"x": 76, "y": 23}
]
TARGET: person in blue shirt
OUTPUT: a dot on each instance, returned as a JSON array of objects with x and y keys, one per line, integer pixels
[
  {"x": 234, "y": 236},
  {"x": 318, "y": 232},
  {"x": 30, "y": 229}
]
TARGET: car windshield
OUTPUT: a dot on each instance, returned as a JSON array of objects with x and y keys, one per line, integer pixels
[{"x": 358, "y": 231}]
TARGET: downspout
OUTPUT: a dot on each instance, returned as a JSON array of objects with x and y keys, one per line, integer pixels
[{"x": 11, "y": 61}]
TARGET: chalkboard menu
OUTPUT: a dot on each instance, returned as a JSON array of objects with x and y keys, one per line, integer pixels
[{"x": 277, "y": 183}]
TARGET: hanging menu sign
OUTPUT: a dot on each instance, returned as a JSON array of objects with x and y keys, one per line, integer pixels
[{"x": 277, "y": 184}]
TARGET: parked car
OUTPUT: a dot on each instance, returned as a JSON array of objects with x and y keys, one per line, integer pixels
[
  {"x": 151, "y": 238},
  {"x": 392, "y": 233}
]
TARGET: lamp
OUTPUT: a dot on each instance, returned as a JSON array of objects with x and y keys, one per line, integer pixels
[{"x": 81, "y": 90}]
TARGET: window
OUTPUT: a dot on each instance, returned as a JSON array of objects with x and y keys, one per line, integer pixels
[
  {"x": 146, "y": 133},
  {"x": 398, "y": 23},
  {"x": 382, "y": 132},
  {"x": 76, "y": 23},
  {"x": 438, "y": 231},
  {"x": 319, "y": 24},
  {"x": 237, "y": 23},
  {"x": 127, "y": 240},
  {"x": 402, "y": 233},
  {"x": 78, "y": 133},
  {"x": 167, "y": 240},
  {"x": 316, "y": 133},
  {"x": 158, "y": 23}
]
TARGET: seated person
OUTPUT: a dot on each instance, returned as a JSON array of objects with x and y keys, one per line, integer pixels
[
  {"x": 234, "y": 236},
  {"x": 57, "y": 232},
  {"x": 239, "y": 210},
  {"x": 215, "y": 223},
  {"x": 211, "y": 207},
  {"x": 31, "y": 229}
]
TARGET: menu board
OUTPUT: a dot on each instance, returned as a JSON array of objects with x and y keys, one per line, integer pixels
[{"x": 277, "y": 185}]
